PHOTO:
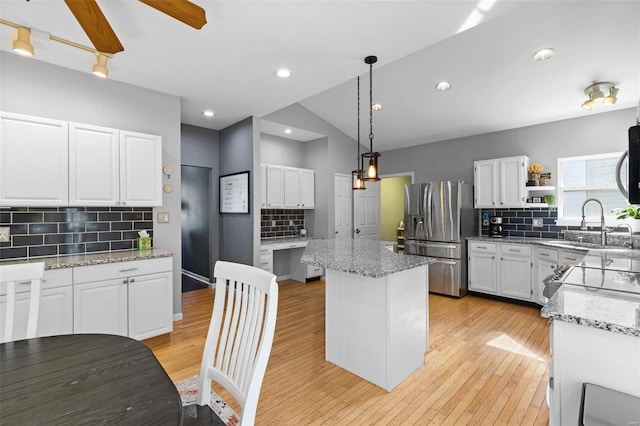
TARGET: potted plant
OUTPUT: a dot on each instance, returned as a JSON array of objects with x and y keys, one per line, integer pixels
[{"x": 630, "y": 215}]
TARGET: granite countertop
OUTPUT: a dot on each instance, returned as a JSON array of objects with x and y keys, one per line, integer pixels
[
  {"x": 290, "y": 239},
  {"x": 361, "y": 257},
  {"x": 608, "y": 310},
  {"x": 87, "y": 259}
]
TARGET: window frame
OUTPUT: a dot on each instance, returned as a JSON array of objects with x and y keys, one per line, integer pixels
[{"x": 610, "y": 219}]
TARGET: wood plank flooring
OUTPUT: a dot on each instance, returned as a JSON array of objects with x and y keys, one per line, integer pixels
[{"x": 487, "y": 364}]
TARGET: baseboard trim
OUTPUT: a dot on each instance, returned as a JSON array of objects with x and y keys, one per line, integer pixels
[{"x": 177, "y": 317}]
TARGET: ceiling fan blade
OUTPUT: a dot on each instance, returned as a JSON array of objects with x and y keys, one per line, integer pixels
[
  {"x": 95, "y": 25},
  {"x": 182, "y": 10}
]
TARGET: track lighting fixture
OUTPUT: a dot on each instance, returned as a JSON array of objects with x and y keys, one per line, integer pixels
[
  {"x": 22, "y": 44},
  {"x": 604, "y": 92},
  {"x": 100, "y": 67}
]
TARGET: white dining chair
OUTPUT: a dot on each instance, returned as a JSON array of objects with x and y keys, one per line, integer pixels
[
  {"x": 28, "y": 276},
  {"x": 238, "y": 344}
]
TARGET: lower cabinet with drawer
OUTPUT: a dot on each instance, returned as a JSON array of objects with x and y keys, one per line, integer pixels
[
  {"x": 501, "y": 269},
  {"x": 129, "y": 298},
  {"x": 56, "y": 305}
]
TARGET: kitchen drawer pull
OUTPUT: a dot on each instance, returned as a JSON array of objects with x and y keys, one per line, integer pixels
[
  {"x": 516, "y": 250},
  {"x": 128, "y": 270},
  {"x": 544, "y": 254},
  {"x": 570, "y": 258},
  {"x": 481, "y": 247}
]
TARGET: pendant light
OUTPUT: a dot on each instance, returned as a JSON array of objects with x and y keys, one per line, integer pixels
[
  {"x": 371, "y": 172},
  {"x": 357, "y": 176}
]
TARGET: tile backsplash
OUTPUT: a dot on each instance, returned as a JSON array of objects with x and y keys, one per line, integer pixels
[
  {"x": 280, "y": 222},
  {"x": 519, "y": 222},
  {"x": 39, "y": 231}
]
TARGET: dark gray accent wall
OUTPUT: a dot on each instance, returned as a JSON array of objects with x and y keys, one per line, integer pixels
[
  {"x": 200, "y": 147},
  {"x": 33, "y": 87},
  {"x": 236, "y": 144}
]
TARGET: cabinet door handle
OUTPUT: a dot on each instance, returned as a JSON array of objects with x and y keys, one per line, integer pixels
[
  {"x": 124, "y": 281},
  {"x": 131, "y": 280},
  {"x": 128, "y": 270}
]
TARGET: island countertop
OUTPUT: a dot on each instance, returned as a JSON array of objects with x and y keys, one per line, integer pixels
[
  {"x": 87, "y": 259},
  {"x": 360, "y": 257}
]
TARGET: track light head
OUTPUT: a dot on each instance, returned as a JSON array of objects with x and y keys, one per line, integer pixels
[
  {"x": 604, "y": 92},
  {"x": 22, "y": 44},
  {"x": 100, "y": 68}
]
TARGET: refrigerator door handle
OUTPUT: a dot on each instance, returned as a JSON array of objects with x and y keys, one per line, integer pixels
[{"x": 428, "y": 211}]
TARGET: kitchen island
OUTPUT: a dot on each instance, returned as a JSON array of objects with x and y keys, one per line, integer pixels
[
  {"x": 595, "y": 332},
  {"x": 376, "y": 306}
]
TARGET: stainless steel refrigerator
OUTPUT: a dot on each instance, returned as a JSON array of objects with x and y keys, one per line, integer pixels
[{"x": 438, "y": 217}]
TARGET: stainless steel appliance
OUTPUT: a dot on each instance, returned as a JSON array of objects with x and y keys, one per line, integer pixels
[
  {"x": 438, "y": 217},
  {"x": 495, "y": 227}
]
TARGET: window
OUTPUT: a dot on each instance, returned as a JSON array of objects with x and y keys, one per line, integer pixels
[{"x": 592, "y": 176}]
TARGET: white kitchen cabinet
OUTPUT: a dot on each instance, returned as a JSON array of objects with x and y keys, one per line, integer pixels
[
  {"x": 94, "y": 166},
  {"x": 128, "y": 298},
  {"x": 33, "y": 161},
  {"x": 266, "y": 259},
  {"x": 275, "y": 186},
  {"x": 515, "y": 271},
  {"x": 263, "y": 186},
  {"x": 570, "y": 257},
  {"x": 140, "y": 169},
  {"x": 291, "y": 188},
  {"x": 500, "y": 182},
  {"x": 56, "y": 305},
  {"x": 545, "y": 264},
  {"x": 307, "y": 188},
  {"x": 483, "y": 267},
  {"x": 101, "y": 307}
]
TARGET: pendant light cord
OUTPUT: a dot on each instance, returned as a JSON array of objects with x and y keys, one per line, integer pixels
[
  {"x": 638, "y": 113},
  {"x": 371, "y": 108},
  {"x": 359, "y": 159}
]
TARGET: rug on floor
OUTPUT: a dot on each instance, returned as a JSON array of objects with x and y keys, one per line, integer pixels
[{"x": 188, "y": 390}]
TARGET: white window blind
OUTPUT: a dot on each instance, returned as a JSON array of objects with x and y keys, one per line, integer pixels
[{"x": 592, "y": 176}]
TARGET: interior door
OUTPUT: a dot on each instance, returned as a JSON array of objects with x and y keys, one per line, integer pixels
[
  {"x": 196, "y": 214},
  {"x": 342, "y": 206},
  {"x": 366, "y": 209}
]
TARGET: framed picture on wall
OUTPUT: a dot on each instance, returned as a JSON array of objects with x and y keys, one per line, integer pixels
[{"x": 234, "y": 193}]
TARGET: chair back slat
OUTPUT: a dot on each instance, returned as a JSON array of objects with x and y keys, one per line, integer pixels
[
  {"x": 240, "y": 334},
  {"x": 18, "y": 273}
]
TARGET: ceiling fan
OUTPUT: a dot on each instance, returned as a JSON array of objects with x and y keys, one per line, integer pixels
[{"x": 105, "y": 40}]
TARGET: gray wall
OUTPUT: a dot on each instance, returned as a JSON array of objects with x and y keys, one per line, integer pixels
[
  {"x": 29, "y": 86},
  {"x": 236, "y": 231},
  {"x": 544, "y": 143},
  {"x": 281, "y": 151},
  {"x": 200, "y": 147},
  {"x": 334, "y": 154}
]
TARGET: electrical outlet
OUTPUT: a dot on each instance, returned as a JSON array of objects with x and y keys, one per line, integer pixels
[
  {"x": 5, "y": 234},
  {"x": 537, "y": 222},
  {"x": 290, "y": 223},
  {"x": 163, "y": 217}
]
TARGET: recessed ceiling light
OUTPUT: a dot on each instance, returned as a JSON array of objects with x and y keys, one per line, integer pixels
[
  {"x": 287, "y": 131},
  {"x": 283, "y": 73},
  {"x": 544, "y": 54},
  {"x": 207, "y": 113},
  {"x": 443, "y": 85},
  {"x": 377, "y": 107}
]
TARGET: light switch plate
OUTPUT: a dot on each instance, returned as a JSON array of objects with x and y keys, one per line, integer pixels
[
  {"x": 537, "y": 222},
  {"x": 5, "y": 234},
  {"x": 163, "y": 217}
]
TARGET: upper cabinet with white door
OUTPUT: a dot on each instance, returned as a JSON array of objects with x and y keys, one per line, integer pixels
[
  {"x": 33, "y": 161},
  {"x": 500, "y": 182},
  {"x": 287, "y": 187},
  {"x": 56, "y": 163}
]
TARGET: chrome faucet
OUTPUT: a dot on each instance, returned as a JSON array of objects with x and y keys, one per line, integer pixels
[
  {"x": 603, "y": 230},
  {"x": 630, "y": 232}
]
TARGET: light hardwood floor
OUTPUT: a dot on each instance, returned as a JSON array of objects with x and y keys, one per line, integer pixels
[{"x": 487, "y": 364}]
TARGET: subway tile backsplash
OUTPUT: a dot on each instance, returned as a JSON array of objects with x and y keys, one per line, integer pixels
[
  {"x": 38, "y": 231},
  {"x": 280, "y": 222},
  {"x": 519, "y": 222}
]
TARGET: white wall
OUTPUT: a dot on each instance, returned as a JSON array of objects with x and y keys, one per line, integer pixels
[{"x": 29, "y": 86}]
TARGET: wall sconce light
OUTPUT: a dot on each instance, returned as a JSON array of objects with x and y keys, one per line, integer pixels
[
  {"x": 22, "y": 44},
  {"x": 604, "y": 92}
]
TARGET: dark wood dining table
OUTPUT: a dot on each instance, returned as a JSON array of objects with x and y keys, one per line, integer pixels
[{"x": 85, "y": 379}]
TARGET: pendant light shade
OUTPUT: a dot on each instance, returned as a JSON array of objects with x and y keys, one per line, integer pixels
[
  {"x": 371, "y": 158},
  {"x": 357, "y": 176}
]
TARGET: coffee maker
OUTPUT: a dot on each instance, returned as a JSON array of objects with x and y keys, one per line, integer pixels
[{"x": 495, "y": 227}]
